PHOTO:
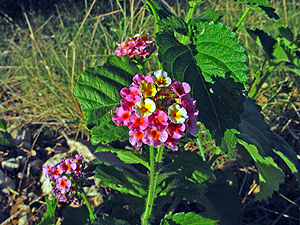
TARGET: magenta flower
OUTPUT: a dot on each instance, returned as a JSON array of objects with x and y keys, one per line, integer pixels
[
  {"x": 176, "y": 130},
  {"x": 171, "y": 143},
  {"x": 136, "y": 138},
  {"x": 155, "y": 137},
  {"x": 47, "y": 169},
  {"x": 67, "y": 166},
  {"x": 137, "y": 123},
  {"x": 181, "y": 88},
  {"x": 63, "y": 184},
  {"x": 122, "y": 117},
  {"x": 68, "y": 177},
  {"x": 158, "y": 120},
  {"x": 157, "y": 110},
  {"x": 139, "y": 45}
]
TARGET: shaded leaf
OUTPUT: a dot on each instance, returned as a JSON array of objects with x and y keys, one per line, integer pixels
[
  {"x": 126, "y": 156},
  {"x": 221, "y": 102},
  {"x": 189, "y": 219},
  {"x": 175, "y": 23},
  {"x": 262, "y": 6},
  {"x": 254, "y": 130},
  {"x": 286, "y": 33},
  {"x": 224, "y": 197},
  {"x": 107, "y": 220},
  {"x": 122, "y": 179},
  {"x": 75, "y": 216},
  {"x": 264, "y": 40},
  {"x": 229, "y": 142},
  {"x": 270, "y": 175}
]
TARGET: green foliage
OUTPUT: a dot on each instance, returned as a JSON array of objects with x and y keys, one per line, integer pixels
[
  {"x": 75, "y": 215},
  {"x": 261, "y": 6},
  {"x": 123, "y": 179},
  {"x": 126, "y": 156},
  {"x": 218, "y": 52},
  {"x": 5, "y": 137},
  {"x": 270, "y": 175},
  {"x": 189, "y": 219},
  {"x": 107, "y": 221},
  {"x": 98, "y": 91},
  {"x": 224, "y": 199},
  {"x": 219, "y": 103},
  {"x": 49, "y": 216}
]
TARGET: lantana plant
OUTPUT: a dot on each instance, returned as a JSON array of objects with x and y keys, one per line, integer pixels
[{"x": 199, "y": 79}]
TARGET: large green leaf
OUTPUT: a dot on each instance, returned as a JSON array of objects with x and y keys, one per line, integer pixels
[
  {"x": 98, "y": 91},
  {"x": 254, "y": 130},
  {"x": 122, "y": 179},
  {"x": 270, "y": 175},
  {"x": 219, "y": 52},
  {"x": 262, "y": 6},
  {"x": 189, "y": 219},
  {"x": 219, "y": 103},
  {"x": 126, "y": 156}
]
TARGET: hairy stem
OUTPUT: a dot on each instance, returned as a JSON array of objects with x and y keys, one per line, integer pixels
[{"x": 154, "y": 162}]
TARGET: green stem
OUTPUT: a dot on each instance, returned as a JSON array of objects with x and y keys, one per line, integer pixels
[
  {"x": 153, "y": 182},
  {"x": 192, "y": 5},
  {"x": 92, "y": 215},
  {"x": 156, "y": 23},
  {"x": 241, "y": 20}
]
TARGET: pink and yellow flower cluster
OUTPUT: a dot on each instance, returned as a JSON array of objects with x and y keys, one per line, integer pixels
[
  {"x": 68, "y": 178},
  {"x": 157, "y": 110},
  {"x": 139, "y": 45}
]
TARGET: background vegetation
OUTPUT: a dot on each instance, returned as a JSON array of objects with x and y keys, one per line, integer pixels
[{"x": 43, "y": 53}]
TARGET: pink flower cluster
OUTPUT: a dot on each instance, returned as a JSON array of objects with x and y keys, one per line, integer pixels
[
  {"x": 68, "y": 178},
  {"x": 139, "y": 45},
  {"x": 157, "y": 110}
]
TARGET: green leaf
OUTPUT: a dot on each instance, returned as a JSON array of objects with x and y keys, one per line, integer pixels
[
  {"x": 122, "y": 179},
  {"x": 108, "y": 131},
  {"x": 3, "y": 124},
  {"x": 75, "y": 216},
  {"x": 254, "y": 130},
  {"x": 220, "y": 103},
  {"x": 175, "y": 23},
  {"x": 229, "y": 142},
  {"x": 107, "y": 220},
  {"x": 161, "y": 8},
  {"x": 98, "y": 91},
  {"x": 219, "y": 52},
  {"x": 5, "y": 138},
  {"x": 224, "y": 199},
  {"x": 270, "y": 175},
  {"x": 189, "y": 219},
  {"x": 126, "y": 156},
  {"x": 286, "y": 33},
  {"x": 261, "y": 6},
  {"x": 264, "y": 40},
  {"x": 49, "y": 216}
]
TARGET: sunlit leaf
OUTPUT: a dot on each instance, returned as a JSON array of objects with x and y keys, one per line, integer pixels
[{"x": 190, "y": 219}]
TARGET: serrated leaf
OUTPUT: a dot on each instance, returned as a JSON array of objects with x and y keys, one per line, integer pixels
[
  {"x": 229, "y": 142},
  {"x": 108, "y": 131},
  {"x": 286, "y": 33},
  {"x": 98, "y": 91},
  {"x": 126, "y": 156},
  {"x": 122, "y": 179},
  {"x": 264, "y": 40},
  {"x": 175, "y": 23},
  {"x": 254, "y": 130},
  {"x": 219, "y": 52},
  {"x": 262, "y": 6},
  {"x": 219, "y": 103},
  {"x": 270, "y": 175},
  {"x": 189, "y": 219}
]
